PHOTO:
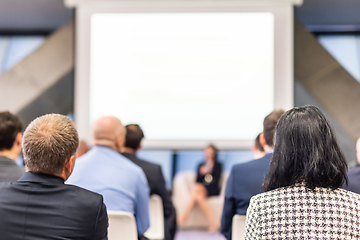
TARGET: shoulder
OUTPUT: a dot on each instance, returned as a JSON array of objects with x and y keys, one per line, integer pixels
[
  {"x": 5, "y": 185},
  {"x": 255, "y": 163},
  {"x": 135, "y": 172},
  {"x": 15, "y": 169},
  {"x": 348, "y": 195},
  {"x": 244, "y": 166},
  {"x": 82, "y": 195},
  {"x": 20, "y": 169},
  {"x": 298, "y": 192},
  {"x": 126, "y": 163},
  {"x": 354, "y": 171},
  {"x": 147, "y": 165}
]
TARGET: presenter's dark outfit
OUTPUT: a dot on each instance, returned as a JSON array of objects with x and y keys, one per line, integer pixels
[
  {"x": 41, "y": 207},
  {"x": 211, "y": 180}
]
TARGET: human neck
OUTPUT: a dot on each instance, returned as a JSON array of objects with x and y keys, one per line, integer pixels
[
  {"x": 111, "y": 146},
  {"x": 63, "y": 175},
  {"x": 267, "y": 148},
  {"x": 128, "y": 150},
  {"x": 12, "y": 154}
]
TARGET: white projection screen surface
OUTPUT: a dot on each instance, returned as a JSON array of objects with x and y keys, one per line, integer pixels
[{"x": 183, "y": 76}]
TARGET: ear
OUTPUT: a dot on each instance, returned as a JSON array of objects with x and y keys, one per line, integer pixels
[
  {"x": 18, "y": 139},
  {"x": 69, "y": 166},
  {"x": 120, "y": 141},
  {"x": 17, "y": 144},
  {"x": 254, "y": 149},
  {"x": 262, "y": 140}
]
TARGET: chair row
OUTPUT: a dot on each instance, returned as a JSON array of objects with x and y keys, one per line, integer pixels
[{"x": 122, "y": 225}]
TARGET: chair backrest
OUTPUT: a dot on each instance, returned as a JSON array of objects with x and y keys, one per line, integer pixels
[
  {"x": 223, "y": 182},
  {"x": 122, "y": 226},
  {"x": 238, "y": 227},
  {"x": 156, "y": 229}
]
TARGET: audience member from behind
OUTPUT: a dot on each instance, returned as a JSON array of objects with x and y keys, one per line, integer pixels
[
  {"x": 105, "y": 171},
  {"x": 207, "y": 184},
  {"x": 10, "y": 147},
  {"x": 354, "y": 173},
  {"x": 258, "y": 150},
  {"x": 154, "y": 175},
  {"x": 246, "y": 179},
  {"x": 39, "y": 205},
  {"x": 303, "y": 198}
]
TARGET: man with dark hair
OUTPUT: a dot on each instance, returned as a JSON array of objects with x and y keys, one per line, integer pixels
[
  {"x": 10, "y": 147},
  {"x": 154, "y": 175},
  {"x": 246, "y": 179},
  {"x": 39, "y": 205}
]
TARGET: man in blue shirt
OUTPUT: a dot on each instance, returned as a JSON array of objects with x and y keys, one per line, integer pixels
[
  {"x": 103, "y": 170},
  {"x": 246, "y": 179}
]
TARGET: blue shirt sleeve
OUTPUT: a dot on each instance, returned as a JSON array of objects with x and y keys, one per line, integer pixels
[
  {"x": 142, "y": 205},
  {"x": 229, "y": 208}
]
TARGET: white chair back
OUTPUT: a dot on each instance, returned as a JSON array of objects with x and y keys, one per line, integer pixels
[
  {"x": 156, "y": 229},
  {"x": 238, "y": 227},
  {"x": 122, "y": 226}
]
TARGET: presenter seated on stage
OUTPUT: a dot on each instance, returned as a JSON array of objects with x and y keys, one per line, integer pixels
[{"x": 207, "y": 184}]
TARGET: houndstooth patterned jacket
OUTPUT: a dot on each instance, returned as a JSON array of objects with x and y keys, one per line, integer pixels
[{"x": 297, "y": 212}]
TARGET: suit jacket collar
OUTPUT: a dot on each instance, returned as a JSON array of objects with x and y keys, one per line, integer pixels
[
  {"x": 41, "y": 178},
  {"x": 7, "y": 161},
  {"x": 129, "y": 155}
]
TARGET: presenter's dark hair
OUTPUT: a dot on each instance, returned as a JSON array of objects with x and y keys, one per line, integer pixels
[
  {"x": 305, "y": 151},
  {"x": 10, "y": 126},
  {"x": 215, "y": 149},
  {"x": 134, "y": 134}
]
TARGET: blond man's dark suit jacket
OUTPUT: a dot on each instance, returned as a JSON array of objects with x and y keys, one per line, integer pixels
[{"x": 42, "y": 207}]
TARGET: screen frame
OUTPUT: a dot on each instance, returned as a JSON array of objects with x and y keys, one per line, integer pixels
[{"x": 283, "y": 56}]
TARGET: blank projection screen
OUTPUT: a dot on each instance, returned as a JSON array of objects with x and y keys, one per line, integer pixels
[{"x": 184, "y": 76}]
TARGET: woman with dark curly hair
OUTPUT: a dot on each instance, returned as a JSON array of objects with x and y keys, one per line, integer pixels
[{"x": 303, "y": 198}]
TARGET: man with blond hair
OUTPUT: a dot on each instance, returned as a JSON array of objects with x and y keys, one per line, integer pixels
[
  {"x": 104, "y": 170},
  {"x": 39, "y": 205}
]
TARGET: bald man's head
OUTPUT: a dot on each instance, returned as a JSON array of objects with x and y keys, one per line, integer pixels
[{"x": 109, "y": 132}]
